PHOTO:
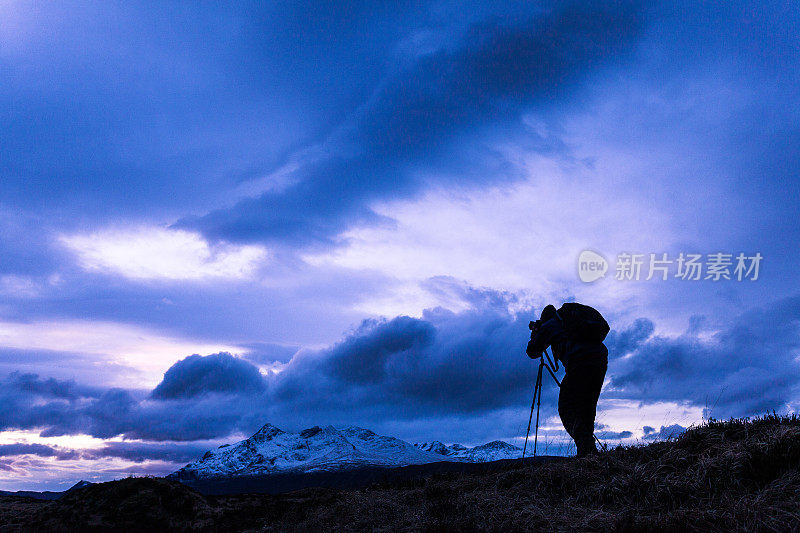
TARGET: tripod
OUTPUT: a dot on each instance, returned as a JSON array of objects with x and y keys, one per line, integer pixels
[{"x": 551, "y": 364}]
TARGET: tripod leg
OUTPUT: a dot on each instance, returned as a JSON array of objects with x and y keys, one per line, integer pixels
[
  {"x": 530, "y": 418},
  {"x": 537, "y": 394},
  {"x": 602, "y": 444},
  {"x": 536, "y": 391}
]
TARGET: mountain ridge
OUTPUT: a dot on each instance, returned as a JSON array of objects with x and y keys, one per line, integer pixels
[{"x": 271, "y": 450}]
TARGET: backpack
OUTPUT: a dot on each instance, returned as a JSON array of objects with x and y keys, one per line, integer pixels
[{"x": 583, "y": 323}]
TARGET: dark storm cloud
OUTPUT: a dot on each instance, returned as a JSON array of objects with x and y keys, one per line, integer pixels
[
  {"x": 748, "y": 367},
  {"x": 139, "y": 452},
  {"x": 134, "y": 112},
  {"x": 472, "y": 362},
  {"x": 623, "y": 342},
  {"x": 47, "y": 388},
  {"x": 411, "y": 122},
  {"x": 109, "y": 79},
  {"x": 217, "y": 373},
  {"x": 41, "y": 450},
  {"x": 362, "y": 358},
  {"x": 62, "y": 407},
  {"x": 449, "y": 366},
  {"x": 443, "y": 363},
  {"x": 57, "y": 408}
]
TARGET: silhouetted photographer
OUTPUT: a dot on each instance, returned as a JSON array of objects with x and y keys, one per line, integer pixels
[{"x": 576, "y": 333}]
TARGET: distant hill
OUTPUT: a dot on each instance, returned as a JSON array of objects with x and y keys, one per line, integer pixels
[
  {"x": 45, "y": 495},
  {"x": 740, "y": 475}
]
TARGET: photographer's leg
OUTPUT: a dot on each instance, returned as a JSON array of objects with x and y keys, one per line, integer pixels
[
  {"x": 591, "y": 378},
  {"x": 567, "y": 406}
]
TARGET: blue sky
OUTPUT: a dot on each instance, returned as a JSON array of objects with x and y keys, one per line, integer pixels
[{"x": 213, "y": 217}]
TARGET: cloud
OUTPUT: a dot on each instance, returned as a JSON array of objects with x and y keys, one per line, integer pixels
[
  {"x": 363, "y": 357},
  {"x": 613, "y": 435},
  {"x": 137, "y": 354},
  {"x": 153, "y": 253},
  {"x": 268, "y": 354},
  {"x": 408, "y": 126},
  {"x": 46, "y": 388},
  {"x": 57, "y": 408},
  {"x": 621, "y": 343},
  {"x": 41, "y": 450},
  {"x": 471, "y": 362},
  {"x": 140, "y": 452},
  {"x": 748, "y": 367},
  {"x": 666, "y": 432},
  {"x": 217, "y": 373},
  {"x": 442, "y": 363},
  {"x": 405, "y": 367},
  {"x": 534, "y": 244},
  {"x": 457, "y": 366},
  {"x": 28, "y": 402}
]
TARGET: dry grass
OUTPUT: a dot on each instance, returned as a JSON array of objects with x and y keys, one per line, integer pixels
[{"x": 739, "y": 475}]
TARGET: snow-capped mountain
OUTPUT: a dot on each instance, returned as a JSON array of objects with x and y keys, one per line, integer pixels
[
  {"x": 273, "y": 451},
  {"x": 491, "y": 451}
]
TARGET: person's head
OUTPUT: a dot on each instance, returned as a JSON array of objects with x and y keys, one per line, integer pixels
[{"x": 548, "y": 313}]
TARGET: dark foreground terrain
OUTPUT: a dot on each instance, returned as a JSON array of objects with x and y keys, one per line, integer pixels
[
  {"x": 353, "y": 478},
  {"x": 723, "y": 476}
]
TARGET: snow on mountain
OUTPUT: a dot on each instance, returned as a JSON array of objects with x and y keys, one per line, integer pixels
[
  {"x": 271, "y": 450},
  {"x": 491, "y": 451}
]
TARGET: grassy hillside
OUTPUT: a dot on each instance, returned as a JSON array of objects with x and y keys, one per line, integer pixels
[{"x": 739, "y": 475}]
